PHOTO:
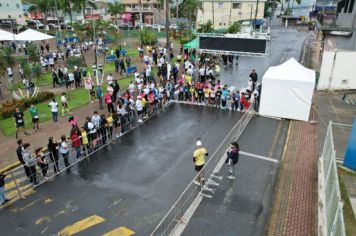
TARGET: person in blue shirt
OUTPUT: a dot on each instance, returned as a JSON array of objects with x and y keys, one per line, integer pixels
[{"x": 224, "y": 97}]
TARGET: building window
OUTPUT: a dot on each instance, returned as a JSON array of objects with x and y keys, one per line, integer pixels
[
  {"x": 9, "y": 16},
  {"x": 236, "y": 5},
  {"x": 17, "y": 5},
  {"x": 220, "y": 5},
  {"x": 20, "y": 16},
  {"x": 0, "y": 4}
]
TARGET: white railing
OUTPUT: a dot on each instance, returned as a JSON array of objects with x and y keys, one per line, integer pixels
[
  {"x": 175, "y": 214},
  {"x": 330, "y": 213}
]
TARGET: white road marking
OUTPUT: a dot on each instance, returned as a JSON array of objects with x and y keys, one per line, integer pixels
[{"x": 258, "y": 156}]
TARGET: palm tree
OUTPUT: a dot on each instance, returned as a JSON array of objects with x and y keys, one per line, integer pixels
[
  {"x": 66, "y": 7},
  {"x": 189, "y": 9},
  {"x": 43, "y": 6},
  {"x": 81, "y": 5},
  {"x": 114, "y": 9}
]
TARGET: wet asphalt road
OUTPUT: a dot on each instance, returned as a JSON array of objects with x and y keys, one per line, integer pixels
[
  {"x": 284, "y": 44},
  {"x": 241, "y": 206},
  {"x": 132, "y": 183}
]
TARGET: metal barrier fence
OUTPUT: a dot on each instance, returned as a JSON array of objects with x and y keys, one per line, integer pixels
[
  {"x": 173, "y": 217},
  {"x": 331, "y": 219},
  {"x": 17, "y": 181}
]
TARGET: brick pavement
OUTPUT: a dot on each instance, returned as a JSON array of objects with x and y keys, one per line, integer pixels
[{"x": 295, "y": 201}]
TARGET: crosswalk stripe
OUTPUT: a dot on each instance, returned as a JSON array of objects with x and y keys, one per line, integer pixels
[
  {"x": 347, "y": 101},
  {"x": 81, "y": 225},
  {"x": 352, "y": 102},
  {"x": 15, "y": 192},
  {"x": 121, "y": 231}
]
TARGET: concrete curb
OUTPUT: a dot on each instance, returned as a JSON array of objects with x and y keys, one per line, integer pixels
[{"x": 10, "y": 167}]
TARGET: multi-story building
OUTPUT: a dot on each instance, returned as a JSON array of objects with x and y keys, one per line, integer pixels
[
  {"x": 12, "y": 10},
  {"x": 223, "y": 13},
  {"x": 152, "y": 11}
]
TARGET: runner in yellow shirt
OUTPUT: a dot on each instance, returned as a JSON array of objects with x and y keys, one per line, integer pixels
[{"x": 199, "y": 160}]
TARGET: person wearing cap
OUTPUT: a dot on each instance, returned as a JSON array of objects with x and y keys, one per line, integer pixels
[
  {"x": 232, "y": 159},
  {"x": 199, "y": 161}
]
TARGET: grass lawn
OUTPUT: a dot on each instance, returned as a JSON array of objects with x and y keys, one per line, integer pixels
[
  {"x": 349, "y": 217},
  {"x": 78, "y": 98}
]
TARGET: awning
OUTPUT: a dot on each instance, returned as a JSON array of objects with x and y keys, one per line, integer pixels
[
  {"x": 192, "y": 44},
  {"x": 32, "y": 35}
]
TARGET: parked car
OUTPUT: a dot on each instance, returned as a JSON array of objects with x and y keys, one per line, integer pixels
[
  {"x": 174, "y": 26},
  {"x": 65, "y": 26},
  {"x": 158, "y": 27},
  {"x": 144, "y": 25},
  {"x": 52, "y": 26},
  {"x": 125, "y": 26},
  {"x": 35, "y": 24}
]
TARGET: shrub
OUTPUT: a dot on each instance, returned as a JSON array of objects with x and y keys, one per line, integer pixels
[
  {"x": 74, "y": 61},
  {"x": 8, "y": 107},
  {"x": 148, "y": 37}
]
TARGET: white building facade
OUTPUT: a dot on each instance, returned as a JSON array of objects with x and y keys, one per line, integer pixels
[
  {"x": 223, "y": 13},
  {"x": 12, "y": 9}
]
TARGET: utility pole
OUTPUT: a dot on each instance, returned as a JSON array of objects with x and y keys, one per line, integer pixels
[
  {"x": 167, "y": 25},
  {"x": 213, "y": 10},
  {"x": 141, "y": 27},
  {"x": 59, "y": 26},
  {"x": 177, "y": 10},
  {"x": 251, "y": 19},
  {"x": 256, "y": 12}
]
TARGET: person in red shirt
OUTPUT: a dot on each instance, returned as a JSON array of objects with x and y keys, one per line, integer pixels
[
  {"x": 75, "y": 139},
  {"x": 109, "y": 102}
]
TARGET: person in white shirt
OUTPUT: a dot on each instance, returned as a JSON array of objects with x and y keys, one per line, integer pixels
[
  {"x": 145, "y": 59},
  {"x": 139, "y": 108},
  {"x": 51, "y": 62},
  {"x": 54, "y": 109},
  {"x": 110, "y": 78},
  {"x": 132, "y": 88},
  {"x": 64, "y": 102}
]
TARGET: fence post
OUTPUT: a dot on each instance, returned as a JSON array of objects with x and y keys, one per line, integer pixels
[{"x": 17, "y": 186}]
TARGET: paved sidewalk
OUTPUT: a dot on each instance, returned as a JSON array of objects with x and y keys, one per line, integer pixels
[{"x": 295, "y": 201}]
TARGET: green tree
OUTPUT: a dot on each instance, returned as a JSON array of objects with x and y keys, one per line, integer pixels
[
  {"x": 115, "y": 9},
  {"x": 81, "y": 5},
  {"x": 148, "y": 37},
  {"x": 25, "y": 66},
  {"x": 33, "y": 54},
  {"x": 66, "y": 7},
  {"x": 189, "y": 9},
  {"x": 234, "y": 28},
  {"x": 44, "y": 6},
  {"x": 206, "y": 28},
  {"x": 37, "y": 71}
]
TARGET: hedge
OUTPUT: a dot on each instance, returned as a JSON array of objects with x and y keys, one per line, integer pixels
[{"x": 8, "y": 108}]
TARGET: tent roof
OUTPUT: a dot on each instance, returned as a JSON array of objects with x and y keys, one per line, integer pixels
[
  {"x": 32, "y": 35},
  {"x": 6, "y": 36},
  {"x": 290, "y": 70},
  {"x": 192, "y": 44}
]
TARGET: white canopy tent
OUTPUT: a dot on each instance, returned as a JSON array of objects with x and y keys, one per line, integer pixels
[
  {"x": 32, "y": 35},
  {"x": 287, "y": 91},
  {"x": 6, "y": 36}
]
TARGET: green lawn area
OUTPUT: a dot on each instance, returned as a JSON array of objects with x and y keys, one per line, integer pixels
[
  {"x": 349, "y": 217},
  {"x": 78, "y": 98}
]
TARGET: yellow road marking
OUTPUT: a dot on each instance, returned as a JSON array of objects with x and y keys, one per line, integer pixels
[
  {"x": 47, "y": 200},
  {"x": 81, "y": 225},
  {"x": 15, "y": 192},
  {"x": 12, "y": 184},
  {"x": 42, "y": 220},
  {"x": 121, "y": 231}
]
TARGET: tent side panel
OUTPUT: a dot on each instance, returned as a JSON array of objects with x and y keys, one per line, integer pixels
[
  {"x": 325, "y": 70},
  {"x": 286, "y": 99}
]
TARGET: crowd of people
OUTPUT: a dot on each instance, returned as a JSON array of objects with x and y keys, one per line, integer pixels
[{"x": 191, "y": 78}]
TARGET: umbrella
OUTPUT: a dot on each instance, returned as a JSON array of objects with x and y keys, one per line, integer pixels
[{"x": 192, "y": 44}]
